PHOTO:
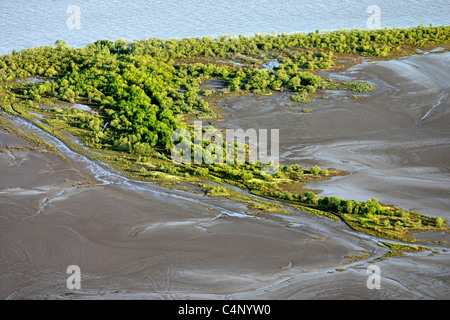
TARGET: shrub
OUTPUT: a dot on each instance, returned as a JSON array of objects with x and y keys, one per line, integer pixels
[
  {"x": 315, "y": 170},
  {"x": 356, "y": 86},
  {"x": 201, "y": 172},
  {"x": 300, "y": 97},
  {"x": 347, "y": 206},
  {"x": 246, "y": 176},
  {"x": 169, "y": 170},
  {"x": 310, "y": 197},
  {"x": 439, "y": 222}
]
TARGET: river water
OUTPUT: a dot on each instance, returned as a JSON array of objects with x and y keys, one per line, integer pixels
[{"x": 28, "y": 23}]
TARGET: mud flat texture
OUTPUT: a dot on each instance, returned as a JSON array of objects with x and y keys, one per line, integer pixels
[
  {"x": 138, "y": 240},
  {"x": 135, "y": 240},
  {"x": 394, "y": 140}
]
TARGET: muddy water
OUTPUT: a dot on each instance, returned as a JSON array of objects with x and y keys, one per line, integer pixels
[
  {"x": 136, "y": 240},
  {"x": 395, "y": 140}
]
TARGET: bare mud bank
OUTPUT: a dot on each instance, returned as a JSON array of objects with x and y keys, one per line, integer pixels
[{"x": 394, "y": 140}]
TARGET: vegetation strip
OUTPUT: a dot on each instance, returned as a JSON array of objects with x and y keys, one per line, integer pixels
[{"x": 139, "y": 92}]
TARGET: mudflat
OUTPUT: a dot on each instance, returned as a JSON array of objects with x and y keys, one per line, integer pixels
[
  {"x": 133, "y": 239},
  {"x": 395, "y": 140},
  {"x": 136, "y": 240}
]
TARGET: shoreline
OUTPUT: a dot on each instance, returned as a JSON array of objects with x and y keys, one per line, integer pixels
[
  {"x": 335, "y": 148},
  {"x": 86, "y": 237},
  {"x": 169, "y": 179},
  {"x": 102, "y": 232},
  {"x": 118, "y": 232}
]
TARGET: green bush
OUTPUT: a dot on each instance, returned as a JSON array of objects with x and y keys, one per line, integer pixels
[
  {"x": 203, "y": 172},
  {"x": 439, "y": 222},
  {"x": 300, "y": 97},
  {"x": 315, "y": 170}
]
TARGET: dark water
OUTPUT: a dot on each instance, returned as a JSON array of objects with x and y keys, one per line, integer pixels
[{"x": 28, "y": 23}]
